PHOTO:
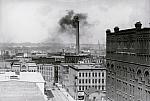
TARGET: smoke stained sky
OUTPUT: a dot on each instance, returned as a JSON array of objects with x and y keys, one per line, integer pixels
[{"x": 38, "y": 20}]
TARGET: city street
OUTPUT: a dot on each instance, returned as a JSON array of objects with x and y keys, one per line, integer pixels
[{"x": 58, "y": 95}]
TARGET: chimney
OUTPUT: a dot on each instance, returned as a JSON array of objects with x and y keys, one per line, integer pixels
[
  {"x": 138, "y": 25},
  {"x": 108, "y": 31},
  {"x": 116, "y": 29},
  {"x": 76, "y": 25}
]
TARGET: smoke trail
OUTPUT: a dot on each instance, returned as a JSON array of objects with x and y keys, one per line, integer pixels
[
  {"x": 66, "y": 22},
  {"x": 65, "y": 32}
]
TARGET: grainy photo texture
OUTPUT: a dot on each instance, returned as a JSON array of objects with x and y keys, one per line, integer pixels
[{"x": 74, "y": 50}]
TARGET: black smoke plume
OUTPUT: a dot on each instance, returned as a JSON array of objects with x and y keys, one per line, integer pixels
[{"x": 66, "y": 22}]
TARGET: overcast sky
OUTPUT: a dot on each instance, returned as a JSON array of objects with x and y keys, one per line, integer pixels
[{"x": 37, "y": 20}]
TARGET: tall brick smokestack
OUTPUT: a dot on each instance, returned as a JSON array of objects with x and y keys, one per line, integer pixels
[{"x": 76, "y": 26}]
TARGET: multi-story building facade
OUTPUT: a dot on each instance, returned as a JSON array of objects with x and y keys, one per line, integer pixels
[
  {"x": 82, "y": 77},
  {"x": 47, "y": 71},
  {"x": 16, "y": 66},
  {"x": 32, "y": 67},
  {"x": 128, "y": 65},
  {"x": 5, "y": 66}
]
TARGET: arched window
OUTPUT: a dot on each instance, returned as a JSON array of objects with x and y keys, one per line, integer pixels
[
  {"x": 108, "y": 64},
  {"x": 146, "y": 74},
  {"x": 139, "y": 72},
  {"x": 112, "y": 67}
]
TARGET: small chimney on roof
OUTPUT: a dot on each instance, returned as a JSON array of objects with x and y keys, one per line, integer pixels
[
  {"x": 116, "y": 29},
  {"x": 138, "y": 25}
]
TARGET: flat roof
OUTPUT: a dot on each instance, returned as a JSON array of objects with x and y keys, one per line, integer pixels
[
  {"x": 20, "y": 91},
  {"x": 31, "y": 64},
  {"x": 129, "y": 31},
  {"x": 24, "y": 76},
  {"x": 88, "y": 67},
  {"x": 57, "y": 56}
]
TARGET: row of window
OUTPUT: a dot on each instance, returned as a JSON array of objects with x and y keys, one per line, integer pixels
[
  {"x": 47, "y": 78},
  {"x": 121, "y": 97},
  {"x": 23, "y": 70},
  {"x": 125, "y": 87},
  {"x": 82, "y": 88},
  {"x": 90, "y": 80},
  {"x": 92, "y": 60},
  {"x": 91, "y": 74},
  {"x": 43, "y": 68},
  {"x": 46, "y": 72}
]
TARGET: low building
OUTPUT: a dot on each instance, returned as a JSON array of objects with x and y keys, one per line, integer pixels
[
  {"x": 24, "y": 67},
  {"x": 43, "y": 60},
  {"x": 38, "y": 54},
  {"x": 69, "y": 58},
  {"x": 5, "y": 66},
  {"x": 16, "y": 66},
  {"x": 59, "y": 59},
  {"x": 94, "y": 59},
  {"x": 32, "y": 67},
  {"x": 82, "y": 77}
]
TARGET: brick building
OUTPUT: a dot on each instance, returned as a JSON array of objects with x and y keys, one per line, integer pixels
[
  {"x": 128, "y": 64},
  {"x": 75, "y": 58}
]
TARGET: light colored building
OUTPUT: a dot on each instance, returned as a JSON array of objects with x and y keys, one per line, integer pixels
[
  {"x": 47, "y": 71},
  {"x": 16, "y": 66},
  {"x": 21, "y": 86},
  {"x": 32, "y": 67},
  {"x": 38, "y": 54},
  {"x": 24, "y": 67},
  {"x": 59, "y": 58},
  {"x": 94, "y": 59},
  {"x": 5, "y": 66},
  {"x": 82, "y": 77}
]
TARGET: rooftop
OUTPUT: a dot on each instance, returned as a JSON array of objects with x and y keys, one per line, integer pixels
[
  {"x": 22, "y": 76},
  {"x": 20, "y": 91},
  {"x": 31, "y": 64},
  {"x": 57, "y": 56},
  {"x": 129, "y": 31},
  {"x": 88, "y": 67}
]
